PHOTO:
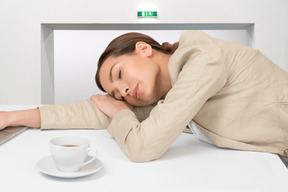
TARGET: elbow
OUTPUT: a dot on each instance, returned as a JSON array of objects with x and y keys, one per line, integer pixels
[
  {"x": 141, "y": 157},
  {"x": 138, "y": 155},
  {"x": 140, "y": 147}
]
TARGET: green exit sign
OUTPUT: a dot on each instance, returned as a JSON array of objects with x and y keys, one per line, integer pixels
[{"x": 147, "y": 13}]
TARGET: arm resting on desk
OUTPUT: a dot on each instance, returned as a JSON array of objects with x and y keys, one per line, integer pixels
[
  {"x": 75, "y": 115},
  {"x": 81, "y": 114}
]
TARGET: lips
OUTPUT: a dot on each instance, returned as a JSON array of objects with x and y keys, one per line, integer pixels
[{"x": 136, "y": 93}]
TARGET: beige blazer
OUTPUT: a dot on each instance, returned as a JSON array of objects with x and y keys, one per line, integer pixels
[{"x": 235, "y": 95}]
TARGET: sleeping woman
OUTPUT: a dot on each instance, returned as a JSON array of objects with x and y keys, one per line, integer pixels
[{"x": 228, "y": 94}]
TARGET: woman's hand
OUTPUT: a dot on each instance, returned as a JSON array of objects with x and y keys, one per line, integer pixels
[
  {"x": 108, "y": 105},
  {"x": 29, "y": 118},
  {"x": 4, "y": 119}
]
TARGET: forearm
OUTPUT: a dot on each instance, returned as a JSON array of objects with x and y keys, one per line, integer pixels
[
  {"x": 29, "y": 118},
  {"x": 81, "y": 114},
  {"x": 143, "y": 141},
  {"x": 75, "y": 115}
]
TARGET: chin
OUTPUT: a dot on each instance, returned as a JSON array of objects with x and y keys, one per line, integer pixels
[
  {"x": 138, "y": 104},
  {"x": 141, "y": 103}
]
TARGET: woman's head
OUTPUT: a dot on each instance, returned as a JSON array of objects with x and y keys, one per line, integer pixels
[{"x": 129, "y": 61}]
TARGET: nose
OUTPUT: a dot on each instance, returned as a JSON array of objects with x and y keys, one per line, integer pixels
[{"x": 125, "y": 91}]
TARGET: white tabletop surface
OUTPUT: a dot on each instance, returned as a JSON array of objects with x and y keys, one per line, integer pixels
[{"x": 188, "y": 165}]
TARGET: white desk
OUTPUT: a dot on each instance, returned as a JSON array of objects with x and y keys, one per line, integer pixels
[{"x": 188, "y": 165}]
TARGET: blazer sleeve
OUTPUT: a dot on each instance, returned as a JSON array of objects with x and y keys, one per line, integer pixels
[
  {"x": 81, "y": 114},
  {"x": 202, "y": 75}
]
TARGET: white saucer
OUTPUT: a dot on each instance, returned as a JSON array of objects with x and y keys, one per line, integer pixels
[{"x": 46, "y": 166}]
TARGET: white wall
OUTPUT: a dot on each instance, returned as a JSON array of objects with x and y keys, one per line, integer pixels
[{"x": 20, "y": 30}]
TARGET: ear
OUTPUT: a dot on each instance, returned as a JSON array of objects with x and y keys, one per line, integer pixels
[{"x": 143, "y": 48}]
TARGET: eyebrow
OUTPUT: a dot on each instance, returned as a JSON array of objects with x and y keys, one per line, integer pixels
[{"x": 110, "y": 73}]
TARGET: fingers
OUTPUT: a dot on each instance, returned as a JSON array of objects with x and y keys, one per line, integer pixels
[
  {"x": 94, "y": 97},
  {"x": 3, "y": 120},
  {"x": 98, "y": 96}
]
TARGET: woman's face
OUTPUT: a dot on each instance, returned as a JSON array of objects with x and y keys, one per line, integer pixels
[{"x": 131, "y": 77}]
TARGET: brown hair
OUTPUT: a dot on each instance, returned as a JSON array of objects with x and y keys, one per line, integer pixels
[{"x": 125, "y": 44}]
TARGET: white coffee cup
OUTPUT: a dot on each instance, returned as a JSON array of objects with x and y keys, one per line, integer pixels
[{"x": 70, "y": 153}]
